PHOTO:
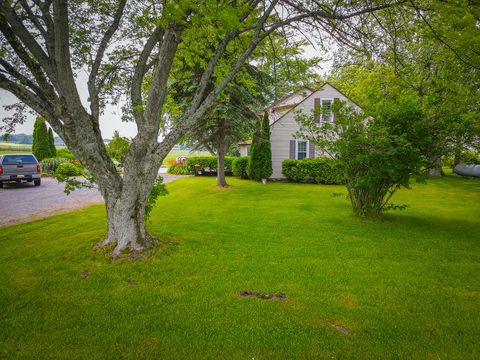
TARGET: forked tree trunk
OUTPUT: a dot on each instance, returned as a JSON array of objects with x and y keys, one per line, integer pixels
[
  {"x": 126, "y": 205},
  {"x": 221, "y": 152}
]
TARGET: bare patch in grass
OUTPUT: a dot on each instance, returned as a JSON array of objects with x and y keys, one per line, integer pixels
[
  {"x": 256, "y": 294},
  {"x": 341, "y": 329}
]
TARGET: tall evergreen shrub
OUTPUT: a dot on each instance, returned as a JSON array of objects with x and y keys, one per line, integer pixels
[
  {"x": 51, "y": 143},
  {"x": 260, "y": 165},
  {"x": 41, "y": 144}
]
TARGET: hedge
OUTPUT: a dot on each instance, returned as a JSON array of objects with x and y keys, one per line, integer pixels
[
  {"x": 239, "y": 166},
  {"x": 318, "y": 170},
  {"x": 49, "y": 165},
  {"x": 179, "y": 169},
  {"x": 207, "y": 165}
]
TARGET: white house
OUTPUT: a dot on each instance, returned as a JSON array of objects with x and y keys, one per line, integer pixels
[{"x": 283, "y": 125}]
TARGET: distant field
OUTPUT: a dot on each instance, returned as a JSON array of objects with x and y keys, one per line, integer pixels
[
  {"x": 11, "y": 148},
  {"x": 176, "y": 153}
]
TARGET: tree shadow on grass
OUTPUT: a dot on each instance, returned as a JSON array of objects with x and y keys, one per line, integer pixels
[{"x": 435, "y": 226}]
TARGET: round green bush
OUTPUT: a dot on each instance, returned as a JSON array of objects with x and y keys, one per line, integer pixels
[
  {"x": 49, "y": 165},
  {"x": 68, "y": 169},
  {"x": 65, "y": 153}
]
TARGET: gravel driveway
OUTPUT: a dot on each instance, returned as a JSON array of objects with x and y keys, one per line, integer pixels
[{"x": 26, "y": 202}]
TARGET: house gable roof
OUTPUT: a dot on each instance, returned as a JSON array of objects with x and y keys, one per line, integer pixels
[
  {"x": 307, "y": 97},
  {"x": 278, "y": 103}
]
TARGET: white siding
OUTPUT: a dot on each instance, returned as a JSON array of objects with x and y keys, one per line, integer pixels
[{"x": 282, "y": 131}]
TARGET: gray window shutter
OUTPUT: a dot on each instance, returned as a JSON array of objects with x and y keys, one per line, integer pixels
[
  {"x": 292, "y": 149},
  {"x": 311, "y": 150},
  {"x": 317, "y": 110}
]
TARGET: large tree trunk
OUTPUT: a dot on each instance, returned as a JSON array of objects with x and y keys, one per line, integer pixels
[
  {"x": 126, "y": 205},
  {"x": 221, "y": 152},
  {"x": 457, "y": 154},
  {"x": 126, "y": 221},
  {"x": 436, "y": 166}
]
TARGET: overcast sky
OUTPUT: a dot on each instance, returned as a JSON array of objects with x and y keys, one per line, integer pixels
[{"x": 111, "y": 119}]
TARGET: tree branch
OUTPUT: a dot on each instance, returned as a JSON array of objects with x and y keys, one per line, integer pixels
[
  {"x": 27, "y": 39},
  {"x": 32, "y": 100},
  {"x": 139, "y": 73},
  {"x": 93, "y": 89},
  {"x": 31, "y": 64}
]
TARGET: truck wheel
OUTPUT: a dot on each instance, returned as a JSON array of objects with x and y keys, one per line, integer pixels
[{"x": 37, "y": 182}]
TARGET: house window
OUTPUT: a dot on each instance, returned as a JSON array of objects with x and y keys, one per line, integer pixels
[
  {"x": 326, "y": 113},
  {"x": 248, "y": 150},
  {"x": 301, "y": 149}
]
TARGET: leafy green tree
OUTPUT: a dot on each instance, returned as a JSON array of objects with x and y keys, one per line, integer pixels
[
  {"x": 117, "y": 147},
  {"x": 231, "y": 119},
  {"x": 51, "y": 143},
  {"x": 128, "y": 46},
  {"x": 41, "y": 143},
  {"x": 377, "y": 156},
  {"x": 260, "y": 165},
  {"x": 431, "y": 58}
]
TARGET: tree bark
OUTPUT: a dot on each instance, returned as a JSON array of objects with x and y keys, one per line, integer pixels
[
  {"x": 126, "y": 207},
  {"x": 436, "y": 166},
  {"x": 126, "y": 221},
  {"x": 221, "y": 152},
  {"x": 457, "y": 154}
]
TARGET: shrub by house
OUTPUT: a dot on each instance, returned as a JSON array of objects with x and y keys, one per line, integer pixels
[{"x": 317, "y": 170}]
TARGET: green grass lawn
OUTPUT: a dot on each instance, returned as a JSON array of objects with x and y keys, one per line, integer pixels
[{"x": 405, "y": 287}]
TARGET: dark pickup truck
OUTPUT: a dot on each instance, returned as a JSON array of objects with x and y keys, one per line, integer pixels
[{"x": 19, "y": 168}]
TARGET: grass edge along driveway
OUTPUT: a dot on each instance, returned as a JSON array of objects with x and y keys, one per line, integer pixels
[{"x": 405, "y": 287}]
